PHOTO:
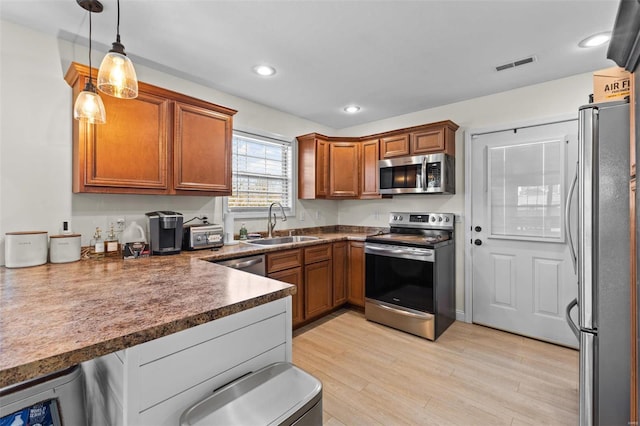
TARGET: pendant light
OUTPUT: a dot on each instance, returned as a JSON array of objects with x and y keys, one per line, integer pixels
[
  {"x": 116, "y": 76},
  {"x": 88, "y": 105}
]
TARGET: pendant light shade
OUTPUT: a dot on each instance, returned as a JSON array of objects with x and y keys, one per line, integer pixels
[
  {"x": 88, "y": 106},
  {"x": 116, "y": 76}
]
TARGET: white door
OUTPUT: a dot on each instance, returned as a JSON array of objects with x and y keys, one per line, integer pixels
[{"x": 523, "y": 275}]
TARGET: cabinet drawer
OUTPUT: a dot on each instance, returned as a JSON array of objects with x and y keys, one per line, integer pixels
[
  {"x": 317, "y": 253},
  {"x": 167, "y": 413},
  {"x": 169, "y": 376},
  {"x": 283, "y": 260}
]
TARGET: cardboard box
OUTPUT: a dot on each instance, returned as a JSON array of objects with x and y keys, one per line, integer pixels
[{"x": 611, "y": 84}]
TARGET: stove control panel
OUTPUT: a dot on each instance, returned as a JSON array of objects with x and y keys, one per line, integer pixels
[{"x": 422, "y": 220}]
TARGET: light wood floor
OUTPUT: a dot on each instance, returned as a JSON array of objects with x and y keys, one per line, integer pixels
[{"x": 472, "y": 375}]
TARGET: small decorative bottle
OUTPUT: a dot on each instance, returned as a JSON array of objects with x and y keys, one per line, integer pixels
[
  {"x": 243, "y": 232},
  {"x": 111, "y": 244},
  {"x": 97, "y": 245}
]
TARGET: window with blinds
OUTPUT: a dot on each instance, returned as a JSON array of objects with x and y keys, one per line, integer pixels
[{"x": 261, "y": 173}]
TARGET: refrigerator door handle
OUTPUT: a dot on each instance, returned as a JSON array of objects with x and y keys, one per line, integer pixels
[
  {"x": 567, "y": 220},
  {"x": 572, "y": 325}
]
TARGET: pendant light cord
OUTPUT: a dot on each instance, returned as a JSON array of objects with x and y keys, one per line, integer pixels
[
  {"x": 90, "y": 69},
  {"x": 118, "y": 23}
]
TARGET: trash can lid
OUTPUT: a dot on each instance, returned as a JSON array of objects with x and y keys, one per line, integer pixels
[{"x": 268, "y": 396}]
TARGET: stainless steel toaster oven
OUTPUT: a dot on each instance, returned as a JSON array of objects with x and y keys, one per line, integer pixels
[{"x": 202, "y": 236}]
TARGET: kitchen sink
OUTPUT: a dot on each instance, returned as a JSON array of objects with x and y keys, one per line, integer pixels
[{"x": 281, "y": 240}]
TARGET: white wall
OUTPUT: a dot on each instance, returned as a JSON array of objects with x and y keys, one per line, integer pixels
[
  {"x": 547, "y": 100},
  {"x": 36, "y": 143}
]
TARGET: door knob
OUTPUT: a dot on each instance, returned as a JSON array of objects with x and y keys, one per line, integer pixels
[
  {"x": 478, "y": 229},
  {"x": 477, "y": 242}
]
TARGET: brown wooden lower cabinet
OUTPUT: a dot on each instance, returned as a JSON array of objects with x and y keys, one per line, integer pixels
[
  {"x": 317, "y": 288},
  {"x": 326, "y": 276},
  {"x": 355, "y": 283},
  {"x": 293, "y": 276},
  {"x": 340, "y": 269},
  {"x": 286, "y": 266}
]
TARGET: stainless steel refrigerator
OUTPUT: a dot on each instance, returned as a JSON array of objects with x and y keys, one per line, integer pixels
[{"x": 600, "y": 249}]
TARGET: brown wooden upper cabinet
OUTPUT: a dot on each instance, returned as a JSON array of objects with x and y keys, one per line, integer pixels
[
  {"x": 427, "y": 139},
  {"x": 337, "y": 168},
  {"x": 347, "y": 168},
  {"x": 313, "y": 166},
  {"x": 344, "y": 164},
  {"x": 369, "y": 169},
  {"x": 161, "y": 142}
]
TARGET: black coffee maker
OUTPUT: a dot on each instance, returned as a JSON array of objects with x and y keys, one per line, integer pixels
[{"x": 165, "y": 232}]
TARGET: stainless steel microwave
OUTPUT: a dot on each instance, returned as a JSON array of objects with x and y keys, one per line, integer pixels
[{"x": 419, "y": 174}]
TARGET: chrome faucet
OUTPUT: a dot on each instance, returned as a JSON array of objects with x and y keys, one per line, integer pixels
[{"x": 270, "y": 225}]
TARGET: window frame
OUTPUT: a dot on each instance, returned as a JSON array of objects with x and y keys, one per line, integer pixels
[{"x": 261, "y": 213}]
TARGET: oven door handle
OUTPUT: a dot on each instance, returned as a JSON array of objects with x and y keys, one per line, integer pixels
[
  {"x": 423, "y": 317},
  {"x": 397, "y": 252}
]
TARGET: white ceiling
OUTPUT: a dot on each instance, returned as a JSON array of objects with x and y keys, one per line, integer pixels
[{"x": 389, "y": 57}]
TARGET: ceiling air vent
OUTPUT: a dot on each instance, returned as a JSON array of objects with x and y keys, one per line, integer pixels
[{"x": 516, "y": 63}]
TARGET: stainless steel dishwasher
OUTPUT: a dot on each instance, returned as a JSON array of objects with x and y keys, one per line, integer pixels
[{"x": 252, "y": 264}]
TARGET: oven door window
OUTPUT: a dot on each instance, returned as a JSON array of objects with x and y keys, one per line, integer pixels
[{"x": 402, "y": 282}]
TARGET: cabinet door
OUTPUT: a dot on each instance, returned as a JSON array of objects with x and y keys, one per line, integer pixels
[
  {"x": 322, "y": 168},
  {"x": 344, "y": 160},
  {"x": 369, "y": 169},
  {"x": 129, "y": 152},
  {"x": 394, "y": 146},
  {"x": 293, "y": 276},
  {"x": 340, "y": 267},
  {"x": 202, "y": 150},
  {"x": 428, "y": 141},
  {"x": 355, "y": 284},
  {"x": 318, "y": 296}
]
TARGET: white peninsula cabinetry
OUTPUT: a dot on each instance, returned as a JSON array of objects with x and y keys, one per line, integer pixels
[{"x": 154, "y": 382}]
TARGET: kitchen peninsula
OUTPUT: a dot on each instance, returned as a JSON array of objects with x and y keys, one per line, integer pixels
[
  {"x": 155, "y": 333},
  {"x": 57, "y": 315}
]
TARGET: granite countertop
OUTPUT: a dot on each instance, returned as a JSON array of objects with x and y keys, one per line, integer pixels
[{"x": 54, "y": 316}]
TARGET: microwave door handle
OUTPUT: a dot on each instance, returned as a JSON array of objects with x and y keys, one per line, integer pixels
[
  {"x": 567, "y": 220},
  {"x": 424, "y": 174}
]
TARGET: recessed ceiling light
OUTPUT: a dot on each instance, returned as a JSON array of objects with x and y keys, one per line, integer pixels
[
  {"x": 264, "y": 70},
  {"x": 596, "y": 40},
  {"x": 352, "y": 109}
]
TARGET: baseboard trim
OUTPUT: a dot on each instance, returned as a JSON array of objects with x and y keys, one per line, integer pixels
[{"x": 460, "y": 315}]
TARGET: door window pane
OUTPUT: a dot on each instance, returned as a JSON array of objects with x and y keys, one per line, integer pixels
[{"x": 526, "y": 184}]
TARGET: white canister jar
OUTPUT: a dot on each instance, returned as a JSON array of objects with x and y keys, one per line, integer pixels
[
  {"x": 64, "y": 248},
  {"x": 24, "y": 249}
]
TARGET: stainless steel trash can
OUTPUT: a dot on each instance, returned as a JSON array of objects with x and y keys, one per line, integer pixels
[
  {"x": 279, "y": 394},
  {"x": 54, "y": 400}
]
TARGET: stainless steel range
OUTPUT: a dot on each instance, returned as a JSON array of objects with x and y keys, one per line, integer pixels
[{"x": 410, "y": 274}]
